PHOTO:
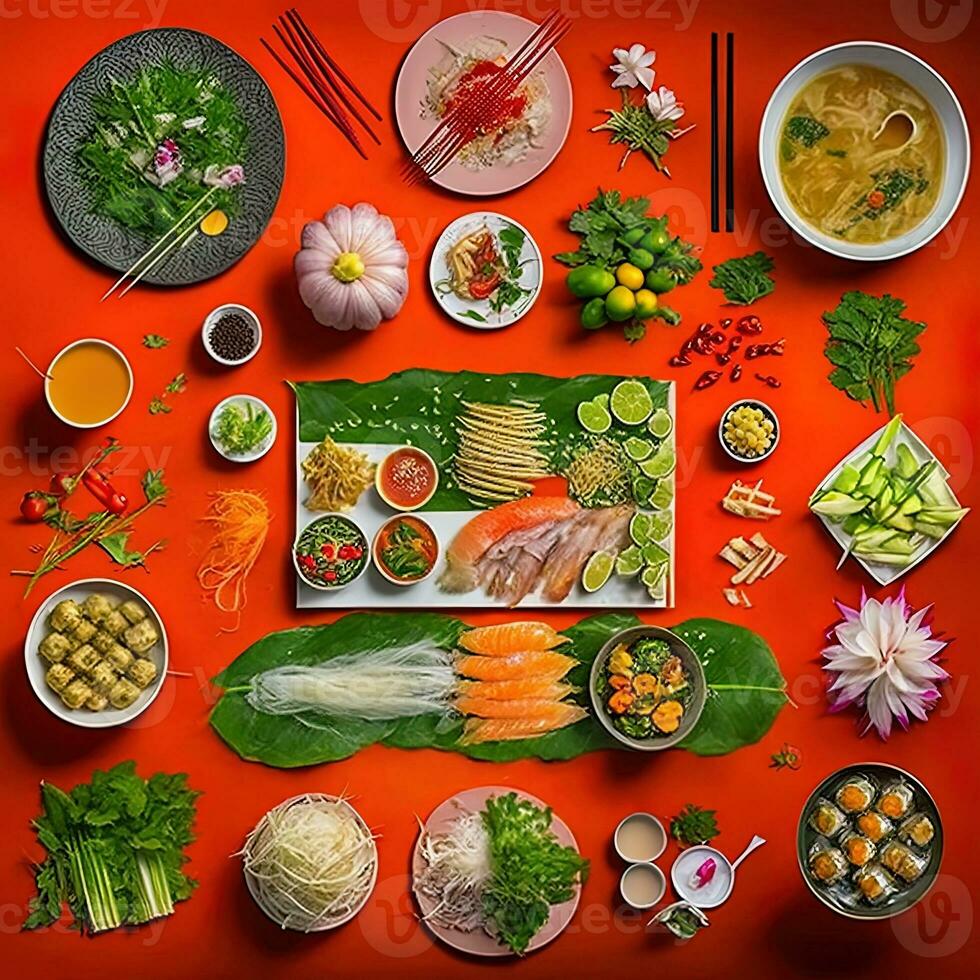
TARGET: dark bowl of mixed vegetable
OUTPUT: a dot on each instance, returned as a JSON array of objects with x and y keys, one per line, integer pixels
[
  {"x": 331, "y": 552},
  {"x": 647, "y": 688}
]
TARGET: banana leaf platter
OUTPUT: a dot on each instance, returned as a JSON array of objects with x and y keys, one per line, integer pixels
[
  {"x": 421, "y": 408},
  {"x": 745, "y": 692}
]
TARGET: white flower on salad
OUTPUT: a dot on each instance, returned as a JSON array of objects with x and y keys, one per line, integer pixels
[
  {"x": 196, "y": 123},
  {"x": 632, "y": 67},
  {"x": 663, "y": 105}
]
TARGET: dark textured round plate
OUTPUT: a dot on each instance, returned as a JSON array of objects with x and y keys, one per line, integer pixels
[{"x": 71, "y": 122}]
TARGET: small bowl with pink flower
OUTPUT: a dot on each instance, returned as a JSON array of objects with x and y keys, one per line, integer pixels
[{"x": 331, "y": 552}]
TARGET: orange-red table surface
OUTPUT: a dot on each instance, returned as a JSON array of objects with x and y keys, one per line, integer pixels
[{"x": 771, "y": 926}]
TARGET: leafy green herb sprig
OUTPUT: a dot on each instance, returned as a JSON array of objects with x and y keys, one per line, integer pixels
[
  {"x": 871, "y": 346},
  {"x": 694, "y": 826},
  {"x": 745, "y": 279}
]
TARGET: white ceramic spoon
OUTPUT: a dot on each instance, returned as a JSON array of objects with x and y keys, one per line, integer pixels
[
  {"x": 896, "y": 129},
  {"x": 719, "y": 888}
]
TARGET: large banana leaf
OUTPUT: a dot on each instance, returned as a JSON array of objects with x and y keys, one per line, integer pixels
[
  {"x": 420, "y": 407},
  {"x": 746, "y": 692}
]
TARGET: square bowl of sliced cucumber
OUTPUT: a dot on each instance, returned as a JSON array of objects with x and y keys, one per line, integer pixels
[{"x": 889, "y": 503}]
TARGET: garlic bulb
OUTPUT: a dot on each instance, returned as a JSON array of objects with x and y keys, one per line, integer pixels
[{"x": 352, "y": 269}]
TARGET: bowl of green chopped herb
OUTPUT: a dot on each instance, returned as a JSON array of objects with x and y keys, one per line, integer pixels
[
  {"x": 242, "y": 428},
  {"x": 865, "y": 151}
]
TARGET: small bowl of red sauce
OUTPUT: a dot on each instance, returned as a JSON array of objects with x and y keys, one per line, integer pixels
[
  {"x": 407, "y": 478},
  {"x": 405, "y": 550}
]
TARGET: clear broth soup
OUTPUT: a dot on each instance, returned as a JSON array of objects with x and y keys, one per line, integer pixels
[{"x": 843, "y": 180}]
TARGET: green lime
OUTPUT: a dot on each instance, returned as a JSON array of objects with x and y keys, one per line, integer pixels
[
  {"x": 620, "y": 303},
  {"x": 597, "y": 571},
  {"x": 656, "y": 240},
  {"x": 640, "y": 528},
  {"x": 638, "y": 449},
  {"x": 593, "y": 314},
  {"x": 654, "y": 554},
  {"x": 593, "y": 417},
  {"x": 655, "y": 579},
  {"x": 587, "y": 281},
  {"x": 602, "y": 400},
  {"x": 641, "y": 258},
  {"x": 659, "y": 281},
  {"x": 646, "y": 304},
  {"x": 630, "y": 402},
  {"x": 662, "y": 496},
  {"x": 629, "y": 561},
  {"x": 661, "y": 424},
  {"x": 661, "y": 523},
  {"x": 660, "y": 464}
]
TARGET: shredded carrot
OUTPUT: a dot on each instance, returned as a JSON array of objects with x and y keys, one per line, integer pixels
[{"x": 241, "y": 522}]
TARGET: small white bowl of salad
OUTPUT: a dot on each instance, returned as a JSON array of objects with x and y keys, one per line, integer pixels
[
  {"x": 242, "y": 428},
  {"x": 486, "y": 270}
]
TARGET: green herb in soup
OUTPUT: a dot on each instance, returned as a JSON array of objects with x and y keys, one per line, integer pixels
[
  {"x": 646, "y": 688},
  {"x": 331, "y": 552},
  {"x": 861, "y": 154}
]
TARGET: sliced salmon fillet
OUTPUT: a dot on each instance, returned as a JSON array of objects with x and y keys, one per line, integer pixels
[
  {"x": 512, "y": 690},
  {"x": 508, "y": 638},
  {"x": 541, "y": 664},
  {"x": 479, "y": 730}
]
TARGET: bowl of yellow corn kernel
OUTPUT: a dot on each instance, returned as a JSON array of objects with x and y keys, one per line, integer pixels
[{"x": 748, "y": 430}]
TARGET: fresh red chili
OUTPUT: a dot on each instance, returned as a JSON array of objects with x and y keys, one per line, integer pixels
[
  {"x": 736, "y": 373},
  {"x": 775, "y": 349},
  {"x": 482, "y": 288},
  {"x": 679, "y": 360},
  {"x": 876, "y": 199},
  {"x": 34, "y": 506},
  {"x": 749, "y": 325},
  {"x": 768, "y": 379},
  {"x": 706, "y": 380},
  {"x": 727, "y": 322},
  {"x": 99, "y": 486}
]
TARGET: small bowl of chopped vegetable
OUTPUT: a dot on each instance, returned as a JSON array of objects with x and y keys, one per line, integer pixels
[
  {"x": 748, "y": 431},
  {"x": 405, "y": 550},
  {"x": 331, "y": 552},
  {"x": 648, "y": 688},
  {"x": 242, "y": 428},
  {"x": 232, "y": 334}
]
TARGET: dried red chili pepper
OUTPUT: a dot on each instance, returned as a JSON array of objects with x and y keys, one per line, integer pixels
[
  {"x": 750, "y": 325},
  {"x": 727, "y": 322},
  {"x": 706, "y": 380},
  {"x": 679, "y": 360},
  {"x": 775, "y": 349},
  {"x": 722, "y": 358},
  {"x": 736, "y": 373},
  {"x": 768, "y": 379}
]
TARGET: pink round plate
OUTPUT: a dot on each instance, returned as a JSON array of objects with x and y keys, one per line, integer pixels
[
  {"x": 478, "y": 942},
  {"x": 410, "y": 90}
]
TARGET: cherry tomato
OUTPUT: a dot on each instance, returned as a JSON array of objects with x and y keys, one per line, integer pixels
[{"x": 33, "y": 507}]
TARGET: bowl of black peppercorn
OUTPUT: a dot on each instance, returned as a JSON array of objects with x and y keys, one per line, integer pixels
[{"x": 232, "y": 334}]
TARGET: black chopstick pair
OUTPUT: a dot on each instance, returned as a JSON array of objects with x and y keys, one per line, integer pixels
[{"x": 729, "y": 133}]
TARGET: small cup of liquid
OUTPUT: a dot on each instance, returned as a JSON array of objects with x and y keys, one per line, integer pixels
[
  {"x": 642, "y": 885},
  {"x": 640, "y": 837},
  {"x": 88, "y": 383}
]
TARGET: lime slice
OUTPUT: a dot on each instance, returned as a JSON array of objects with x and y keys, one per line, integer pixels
[
  {"x": 638, "y": 449},
  {"x": 643, "y": 486},
  {"x": 653, "y": 554},
  {"x": 661, "y": 524},
  {"x": 601, "y": 400},
  {"x": 597, "y": 571},
  {"x": 655, "y": 581},
  {"x": 593, "y": 418},
  {"x": 629, "y": 561},
  {"x": 662, "y": 496},
  {"x": 630, "y": 402},
  {"x": 660, "y": 464},
  {"x": 661, "y": 424},
  {"x": 640, "y": 528}
]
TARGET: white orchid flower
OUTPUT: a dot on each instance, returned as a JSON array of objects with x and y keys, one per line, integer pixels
[{"x": 632, "y": 67}]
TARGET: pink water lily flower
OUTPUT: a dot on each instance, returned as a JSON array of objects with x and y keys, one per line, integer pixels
[
  {"x": 225, "y": 177},
  {"x": 883, "y": 660},
  {"x": 663, "y": 105},
  {"x": 632, "y": 67}
]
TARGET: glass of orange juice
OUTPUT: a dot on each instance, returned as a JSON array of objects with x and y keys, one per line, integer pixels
[{"x": 88, "y": 383}]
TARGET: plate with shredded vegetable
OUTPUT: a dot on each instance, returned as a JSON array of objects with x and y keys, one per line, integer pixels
[
  {"x": 242, "y": 428},
  {"x": 496, "y": 873}
]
